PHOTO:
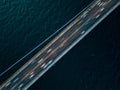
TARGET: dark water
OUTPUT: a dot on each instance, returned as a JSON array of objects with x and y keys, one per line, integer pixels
[{"x": 93, "y": 64}]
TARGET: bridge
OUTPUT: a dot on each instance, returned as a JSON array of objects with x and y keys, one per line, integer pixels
[{"x": 31, "y": 71}]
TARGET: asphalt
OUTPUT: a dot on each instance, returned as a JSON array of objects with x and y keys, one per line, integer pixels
[{"x": 60, "y": 45}]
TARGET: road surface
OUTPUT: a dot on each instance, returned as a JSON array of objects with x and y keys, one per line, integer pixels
[{"x": 60, "y": 45}]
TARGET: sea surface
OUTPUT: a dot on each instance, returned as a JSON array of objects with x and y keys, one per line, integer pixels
[
  {"x": 26, "y": 23},
  {"x": 93, "y": 64}
]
